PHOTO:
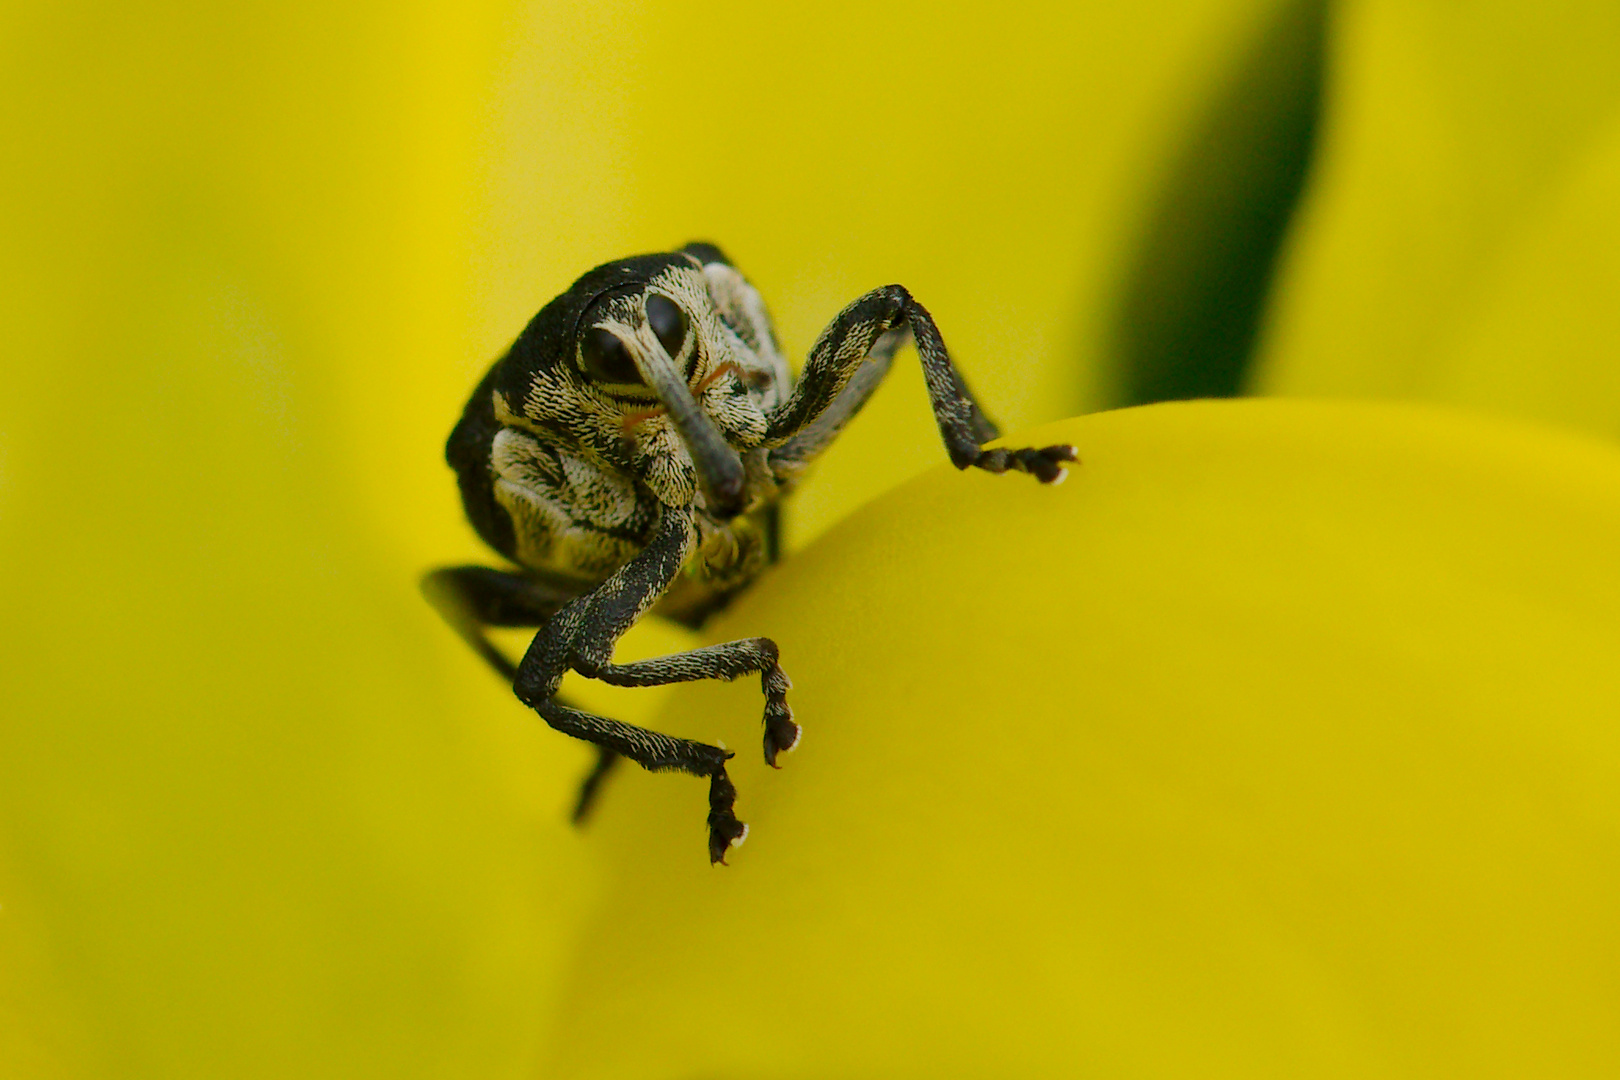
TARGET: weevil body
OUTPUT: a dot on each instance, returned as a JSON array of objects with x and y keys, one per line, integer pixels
[{"x": 628, "y": 453}]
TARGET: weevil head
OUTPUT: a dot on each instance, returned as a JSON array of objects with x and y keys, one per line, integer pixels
[{"x": 640, "y": 366}]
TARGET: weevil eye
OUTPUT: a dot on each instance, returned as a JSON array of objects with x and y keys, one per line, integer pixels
[
  {"x": 668, "y": 323},
  {"x": 606, "y": 359}
]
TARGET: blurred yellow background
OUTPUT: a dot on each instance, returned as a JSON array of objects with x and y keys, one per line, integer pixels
[
  {"x": 259, "y": 814},
  {"x": 1461, "y": 238}
]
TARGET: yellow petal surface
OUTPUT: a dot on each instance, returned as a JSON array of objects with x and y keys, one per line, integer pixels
[
  {"x": 1280, "y": 740},
  {"x": 1459, "y": 236}
]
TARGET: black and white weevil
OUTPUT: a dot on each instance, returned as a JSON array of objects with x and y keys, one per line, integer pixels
[{"x": 628, "y": 453}]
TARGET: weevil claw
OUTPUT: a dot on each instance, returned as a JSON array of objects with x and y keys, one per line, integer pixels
[
  {"x": 1043, "y": 464},
  {"x": 781, "y": 734},
  {"x": 725, "y": 831}
]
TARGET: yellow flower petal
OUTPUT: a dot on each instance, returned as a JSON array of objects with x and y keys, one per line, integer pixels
[
  {"x": 1280, "y": 740},
  {"x": 1458, "y": 242}
]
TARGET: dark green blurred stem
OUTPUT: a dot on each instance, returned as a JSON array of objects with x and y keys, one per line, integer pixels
[{"x": 1193, "y": 301}]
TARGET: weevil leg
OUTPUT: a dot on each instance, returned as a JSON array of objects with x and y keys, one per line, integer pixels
[
  {"x": 797, "y": 429},
  {"x": 581, "y": 637},
  {"x": 592, "y": 784},
  {"x": 727, "y": 661},
  {"x": 815, "y": 436},
  {"x": 807, "y": 444},
  {"x": 771, "y": 525},
  {"x": 660, "y": 753}
]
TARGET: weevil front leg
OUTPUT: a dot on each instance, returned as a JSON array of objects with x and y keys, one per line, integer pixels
[
  {"x": 800, "y": 426},
  {"x": 581, "y": 637}
]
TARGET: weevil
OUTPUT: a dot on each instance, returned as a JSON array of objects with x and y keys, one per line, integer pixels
[{"x": 628, "y": 455}]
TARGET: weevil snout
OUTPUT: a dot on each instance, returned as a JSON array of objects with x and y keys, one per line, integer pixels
[{"x": 721, "y": 477}]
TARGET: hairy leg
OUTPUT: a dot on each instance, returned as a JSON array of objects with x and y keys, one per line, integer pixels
[
  {"x": 818, "y": 406},
  {"x": 726, "y": 661},
  {"x": 581, "y": 636},
  {"x": 660, "y": 753}
]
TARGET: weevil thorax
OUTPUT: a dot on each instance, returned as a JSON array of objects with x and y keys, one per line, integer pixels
[{"x": 633, "y": 364}]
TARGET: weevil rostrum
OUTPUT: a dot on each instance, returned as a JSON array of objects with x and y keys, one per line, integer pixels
[{"x": 628, "y": 454}]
